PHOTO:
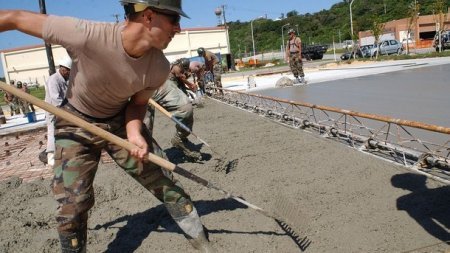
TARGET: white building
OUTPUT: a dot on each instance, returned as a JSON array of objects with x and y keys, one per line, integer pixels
[{"x": 29, "y": 64}]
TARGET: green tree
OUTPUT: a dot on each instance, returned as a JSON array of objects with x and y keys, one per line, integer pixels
[
  {"x": 413, "y": 13},
  {"x": 377, "y": 31}
]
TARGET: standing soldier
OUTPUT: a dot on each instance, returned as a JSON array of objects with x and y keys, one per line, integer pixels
[
  {"x": 27, "y": 90},
  {"x": 22, "y": 104},
  {"x": 11, "y": 100},
  {"x": 213, "y": 65},
  {"x": 172, "y": 96},
  {"x": 116, "y": 69},
  {"x": 294, "y": 56}
]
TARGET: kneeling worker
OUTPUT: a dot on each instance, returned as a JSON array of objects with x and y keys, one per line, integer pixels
[{"x": 173, "y": 97}]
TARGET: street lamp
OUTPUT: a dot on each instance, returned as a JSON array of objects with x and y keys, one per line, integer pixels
[
  {"x": 351, "y": 20},
  {"x": 253, "y": 41},
  {"x": 351, "y": 28},
  {"x": 282, "y": 36}
]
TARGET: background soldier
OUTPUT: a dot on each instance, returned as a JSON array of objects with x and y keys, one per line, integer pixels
[
  {"x": 173, "y": 97},
  {"x": 11, "y": 100},
  {"x": 213, "y": 65},
  {"x": 294, "y": 56},
  {"x": 27, "y": 90},
  {"x": 23, "y": 105}
]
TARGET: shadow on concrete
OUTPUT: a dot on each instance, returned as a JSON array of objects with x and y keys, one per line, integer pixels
[
  {"x": 139, "y": 226},
  {"x": 430, "y": 208}
]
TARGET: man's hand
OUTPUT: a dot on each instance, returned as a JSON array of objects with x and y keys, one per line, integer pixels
[
  {"x": 135, "y": 112},
  {"x": 142, "y": 147}
]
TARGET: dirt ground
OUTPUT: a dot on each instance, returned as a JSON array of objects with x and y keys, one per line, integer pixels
[{"x": 340, "y": 200}]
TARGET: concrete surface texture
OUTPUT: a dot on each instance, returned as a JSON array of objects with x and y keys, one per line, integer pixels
[
  {"x": 342, "y": 200},
  {"x": 315, "y": 74}
]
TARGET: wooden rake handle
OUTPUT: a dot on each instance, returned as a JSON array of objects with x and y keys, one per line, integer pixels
[
  {"x": 121, "y": 142},
  {"x": 179, "y": 123},
  {"x": 169, "y": 115},
  {"x": 98, "y": 131}
]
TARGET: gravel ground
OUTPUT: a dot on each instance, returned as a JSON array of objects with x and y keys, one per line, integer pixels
[{"x": 337, "y": 199}]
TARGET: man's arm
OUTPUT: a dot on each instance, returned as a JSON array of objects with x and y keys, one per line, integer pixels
[
  {"x": 186, "y": 82},
  {"x": 299, "y": 46},
  {"x": 135, "y": 113},
  {"x": 287, "y": 51},
  {"x": 54, "y": 92},
  {"x": 25, "y": 21}
]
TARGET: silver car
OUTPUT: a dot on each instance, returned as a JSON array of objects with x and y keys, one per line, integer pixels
[{"x": 386, "y": 47}]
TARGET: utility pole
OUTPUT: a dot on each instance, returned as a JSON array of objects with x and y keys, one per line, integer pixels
[
  {"x": 117, "y": 17},
  {"x": 351, "y": 28},
  {"x": 222, "y": 7},
  {"x": 253, "y": 42},
  {"x": 340, "y": 41},
  {"x": 48, "y": 47}
]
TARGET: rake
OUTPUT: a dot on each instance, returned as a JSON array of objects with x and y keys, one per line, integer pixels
[
  {"x": 221, "y": 164},
  {"x": 289, "y": 222}
]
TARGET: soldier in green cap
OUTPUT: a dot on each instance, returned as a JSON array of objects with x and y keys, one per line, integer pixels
[{"x": 116, "y": 69}]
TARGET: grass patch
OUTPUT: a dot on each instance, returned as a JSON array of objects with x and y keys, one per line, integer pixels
[{"x": 38, "y": 92}]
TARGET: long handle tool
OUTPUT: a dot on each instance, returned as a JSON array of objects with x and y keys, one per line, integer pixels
[
  {"x": 129, "y": 146},
  {"x": 221, "y": 164},
  {"x": 170, "y": 116}
]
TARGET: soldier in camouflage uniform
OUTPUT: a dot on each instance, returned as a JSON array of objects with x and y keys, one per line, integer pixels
[
  {"x": 213, "y": 65},
  {"x": 117, "y": 67},
  {"x": 294, "y": 56},
  {"x": 172, "y": 97},
  {"x": 11, "y": 100},
  {"x": 22, "y": 104}
]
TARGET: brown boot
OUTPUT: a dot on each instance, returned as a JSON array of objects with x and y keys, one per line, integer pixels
[
  {"x": 202, "y": 243},
  {"x": 182, "y": 145},
  {"x": 185, "y": 215}
]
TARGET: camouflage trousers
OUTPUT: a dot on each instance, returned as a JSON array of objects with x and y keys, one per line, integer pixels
[
  {"x": 23, "y": 106},
  {"x": 175, "y": 101},
  {"x": 12, "y": 108},
  {"x": 76, "y": 161},
  {"x": 296, "y": 65},
  {"x": 16, "y": 105},
  {"x": 217, "y": 71}
]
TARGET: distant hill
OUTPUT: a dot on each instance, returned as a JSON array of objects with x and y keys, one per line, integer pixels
[{"x": 320, "y": 27}]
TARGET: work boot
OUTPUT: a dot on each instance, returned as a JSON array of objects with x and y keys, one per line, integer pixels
[
  {"x": 73, "y": 242},
  {"x": 181, "y": 144},
  {"x": 186, "y": 216},
  {"x": 303, "y": 80},
  {"x": 43, "y": 156},
  {"x": 201, "y": 243},
  {"x": 50, "y": 159}
]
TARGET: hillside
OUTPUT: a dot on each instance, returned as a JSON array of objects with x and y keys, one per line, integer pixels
[{"x": 320, "y": 27}]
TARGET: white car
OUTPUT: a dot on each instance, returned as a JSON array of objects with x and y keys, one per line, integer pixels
[{"x": 386, "y": 47}]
